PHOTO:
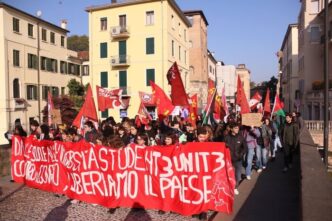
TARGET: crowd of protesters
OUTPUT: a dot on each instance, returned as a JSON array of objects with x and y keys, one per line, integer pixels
[{"x": 251, "y": 148}]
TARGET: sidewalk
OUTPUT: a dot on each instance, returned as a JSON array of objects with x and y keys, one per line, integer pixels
[
  {"x": 8, "y": 188},
  {"x": 270, "y": 195}
]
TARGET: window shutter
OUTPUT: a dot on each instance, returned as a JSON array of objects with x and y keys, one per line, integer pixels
[
  {"x": 103, "y": 79},
  {"x": 104, "y": 114},
  {"x": 150, "y": 73},
  {"x": 150, "y": 46},
  {"x": 123, "y": 81},
  {"x": 103, "y": 50}
]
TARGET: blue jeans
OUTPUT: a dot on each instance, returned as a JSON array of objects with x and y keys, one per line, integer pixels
[
  {"x": 237, "y": 165},
  {"x": 261, "y": 154},
  {"x": 250, "y": 156},
  {"x": 276, "y": 144}
]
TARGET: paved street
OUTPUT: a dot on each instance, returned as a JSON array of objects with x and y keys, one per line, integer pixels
[
  {"x": 271, "y": 195},
  {"x": 31, "y": 204}
]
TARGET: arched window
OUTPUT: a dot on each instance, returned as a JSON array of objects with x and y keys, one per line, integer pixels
[
  {"x": 191, "y": 70},
  {"x": 16, "y": 88}
]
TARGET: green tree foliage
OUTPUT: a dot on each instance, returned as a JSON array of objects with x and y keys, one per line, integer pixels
[
  {"x": 78, "y": 43},
  {"x": 76, "y": 92},
  {"x": 75, "y": 88}
]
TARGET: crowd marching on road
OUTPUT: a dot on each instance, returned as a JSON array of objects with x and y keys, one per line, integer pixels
[{"x": 251, "y": 148}]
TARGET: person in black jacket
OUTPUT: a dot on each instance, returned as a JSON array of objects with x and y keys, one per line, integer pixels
[
  {"x": 238, "y": 147},
  {"x": 290, "y": 141}
]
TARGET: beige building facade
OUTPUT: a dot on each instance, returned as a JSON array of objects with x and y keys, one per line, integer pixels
[
  {"x": 244, "y": 73},
  {"x": 212, "y": 66},
  {"x": 198, "y": 55},
  {"x": 227, "y": 79},
  {"x": 289, "y": 69},
  {"x": 23, "y": 39},
  {"x": 311, "y": 59},
  {"x": 133, "y": 42}
]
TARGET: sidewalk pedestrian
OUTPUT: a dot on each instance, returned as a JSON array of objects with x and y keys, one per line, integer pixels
[
  {"x": 250, "y": 134},
  {"x": 267, "y": 136},
  {"x": 290, "y": 139},
  {"x": 238, "y": 147},
  {"x": 276, "y": 142},
  {"x": 261, "y": 152}
]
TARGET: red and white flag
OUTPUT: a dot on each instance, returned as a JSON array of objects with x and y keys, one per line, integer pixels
[
  {"x": 50, "y": 107},
  {"x": 109, "y": 99},
  {"x": 260, "y": 108},
  {"x": 255, "y": 100},
  {"x": 147, "y": 99},
  {"x": 143, "y": 114}
]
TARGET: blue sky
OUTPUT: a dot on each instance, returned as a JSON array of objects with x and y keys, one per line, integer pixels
[{"x": 240, "y": 31}]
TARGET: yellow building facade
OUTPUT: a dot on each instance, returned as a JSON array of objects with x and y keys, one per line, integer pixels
[
  {"x": 132, "y": 42},
  {"x": 23, "y": 39}
]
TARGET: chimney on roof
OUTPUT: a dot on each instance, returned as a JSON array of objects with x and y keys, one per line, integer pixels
[
  {"x": 64, "y": 23},
  {"x": 113, "y": 1}
]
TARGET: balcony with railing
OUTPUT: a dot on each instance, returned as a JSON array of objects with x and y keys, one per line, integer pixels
[
  {"x": 18, "y": 104},
  {"x": 317, "y": 126},
  {"x": 120, "y": 32},
  {"x": 120, "y": 61},
  {"x": 317, "y": 95}
]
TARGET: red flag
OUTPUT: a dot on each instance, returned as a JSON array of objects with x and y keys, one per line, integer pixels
[
  {"x": 50, "y": 107},
  {"x": 143, "y": 114},
  {"x": 164, "y": 104},
  {"x": 178, "y": 93},
  {"x": 147, "y": 99},
  {"x": 193, "y": 110},
  {"x": 255, "y": 100},
  {"x": 267, "y": 105},
  {"x": 224, "y": 102},
  {"x": 108, "y": 98},
  {"x": 218, "y": 112},
  {"x": 241, "y": 98},
  {"x": 88, "y": 110},
  {"x": 278, "y": 106},
  {"x": 211, "y": 93}
]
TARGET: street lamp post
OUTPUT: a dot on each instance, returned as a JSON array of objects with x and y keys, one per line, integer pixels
[
  {"x": 38, "y": 66},
  {"x": 326, "y": 82}
]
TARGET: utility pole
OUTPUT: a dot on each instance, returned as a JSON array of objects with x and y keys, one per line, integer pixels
[
  {"x": 326, "y": 82},
  {"x": 38, "y": 66}
]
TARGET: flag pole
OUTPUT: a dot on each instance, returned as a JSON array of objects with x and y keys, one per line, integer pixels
[
  {"x": 208, "y": 110},
  {"x": 274, "y": 105}
]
